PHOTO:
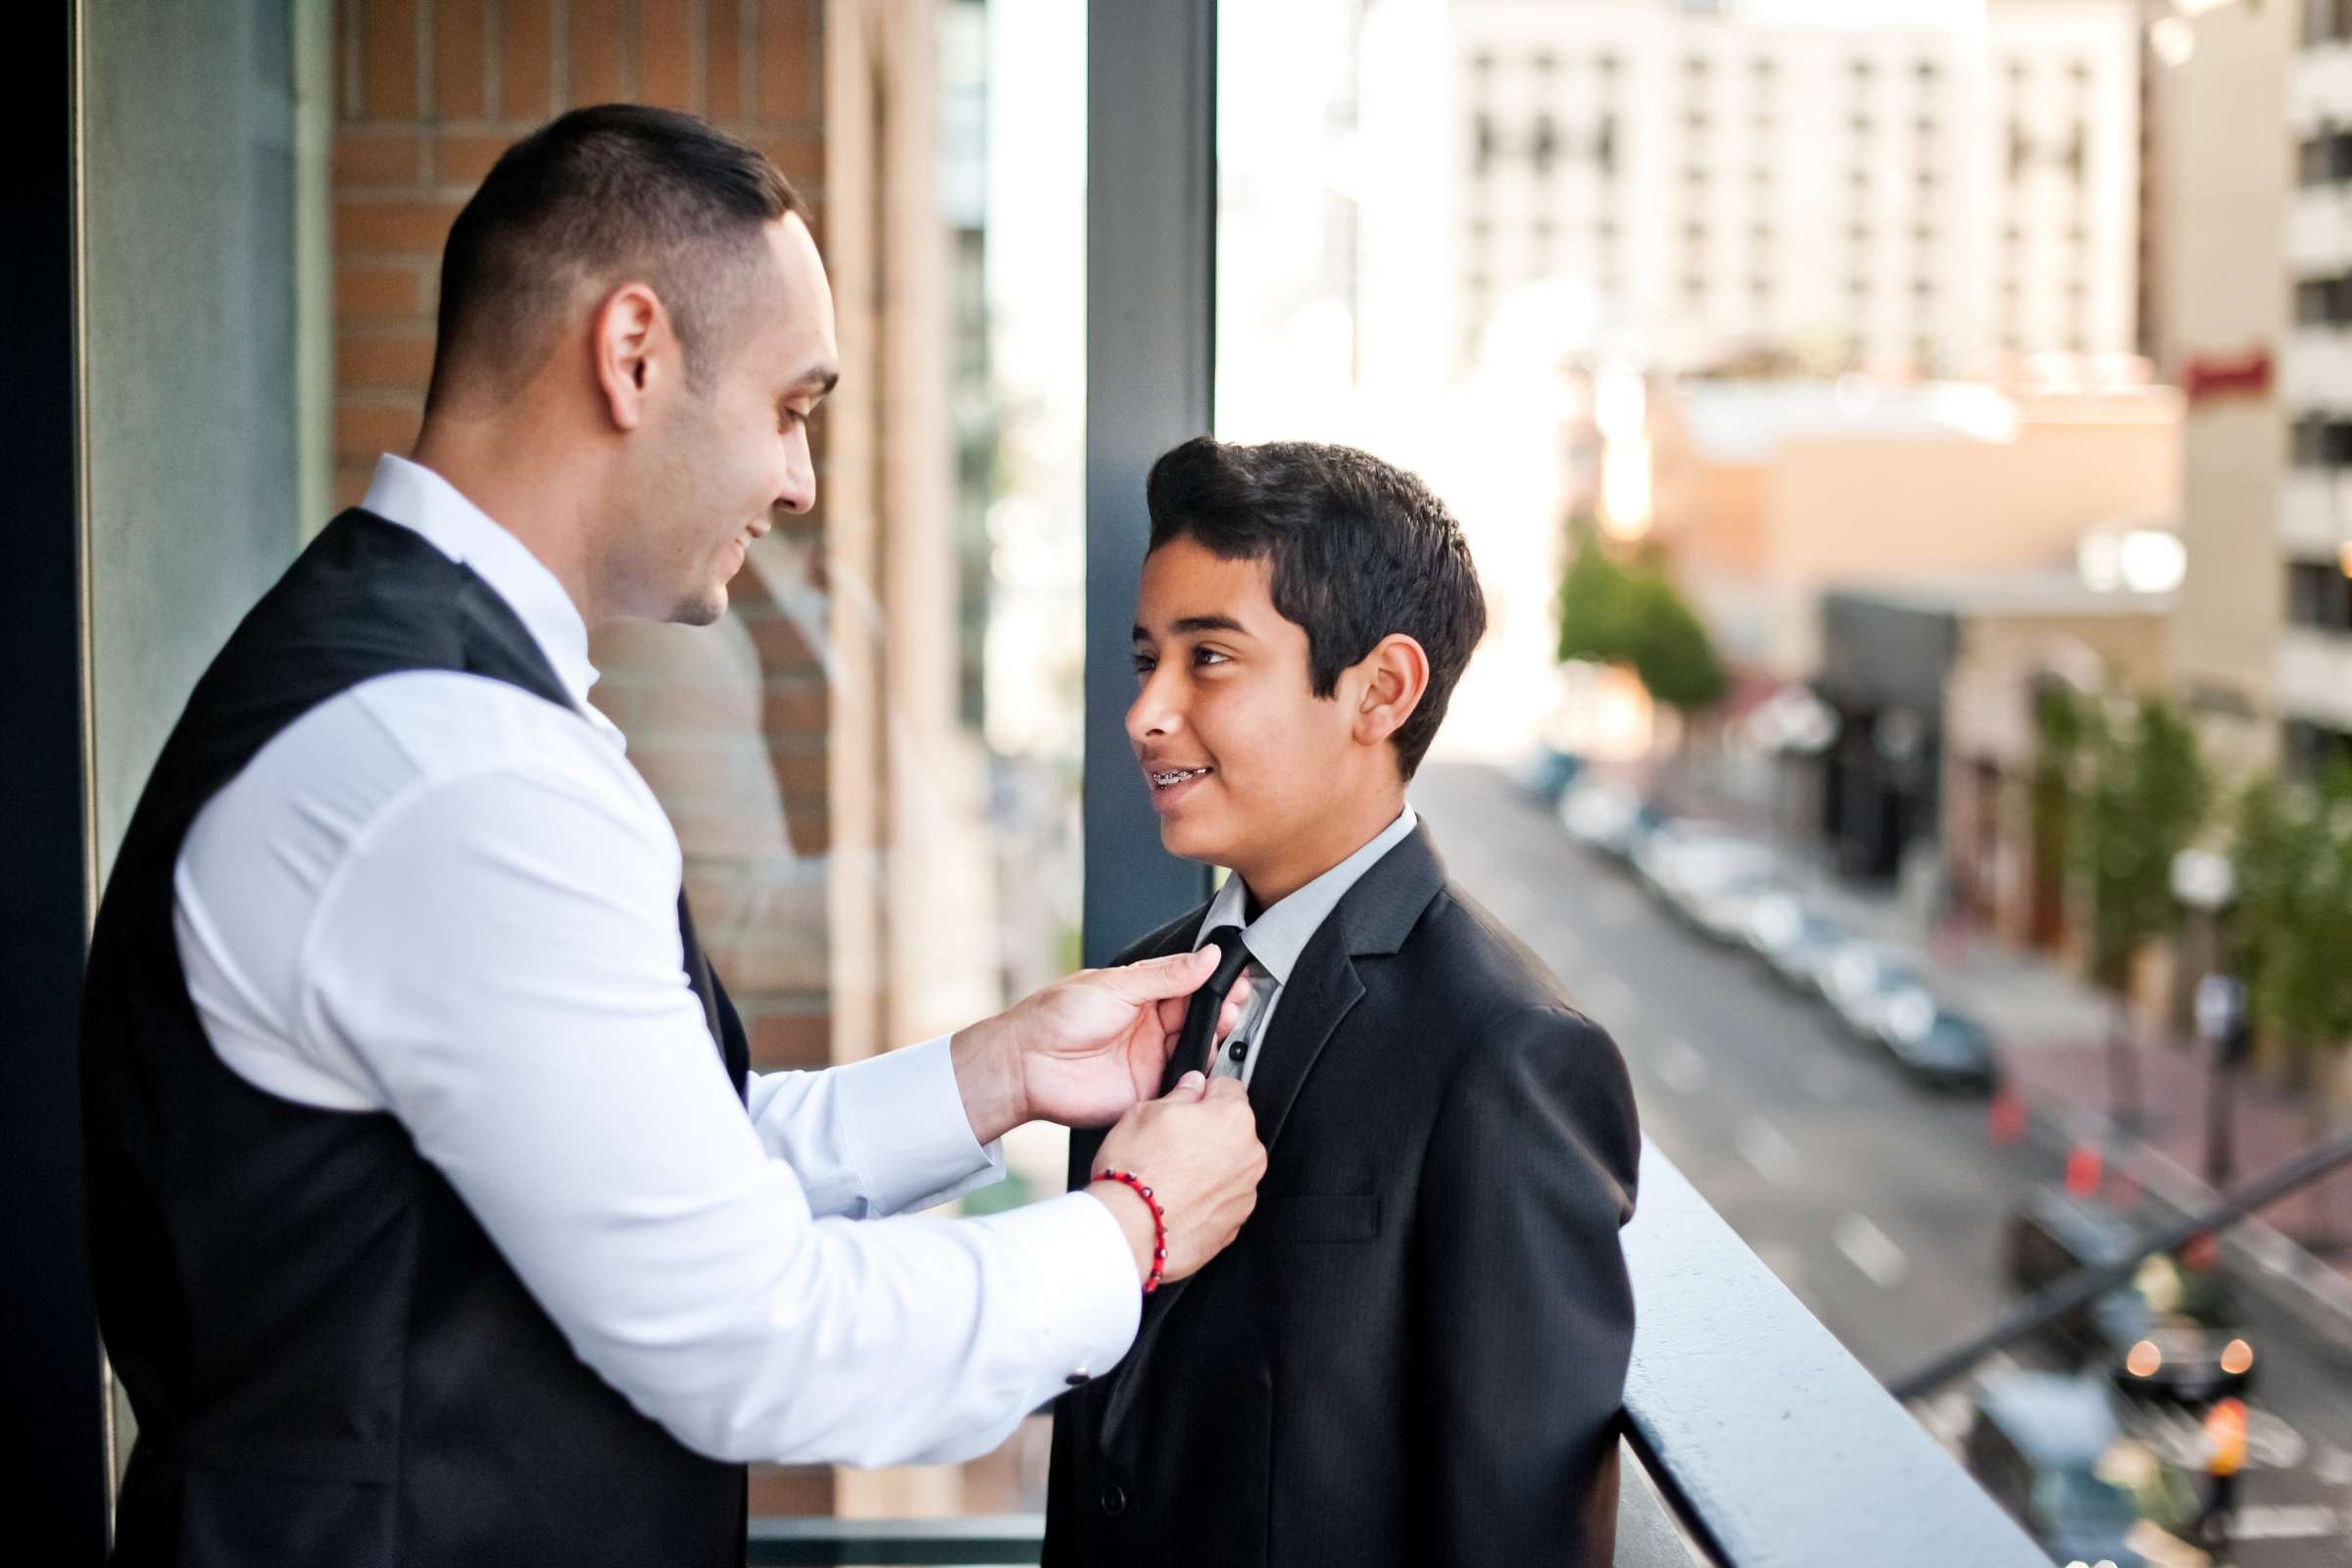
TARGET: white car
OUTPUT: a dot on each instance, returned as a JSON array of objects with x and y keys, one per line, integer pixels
[{"x": 1862, "y": 979}]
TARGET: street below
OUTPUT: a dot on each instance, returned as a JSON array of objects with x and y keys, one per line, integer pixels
[{"x": 1882, "y": 1206}]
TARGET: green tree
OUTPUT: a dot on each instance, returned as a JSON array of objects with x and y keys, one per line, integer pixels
[
  {"x": 1612, "y": 612},
  {"x": 2138, "y": 791},
  {"x": 2145, "y": 798},
  {"x": 2294, "y": 922}
]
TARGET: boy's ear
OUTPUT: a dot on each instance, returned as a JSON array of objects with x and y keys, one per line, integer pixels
[{"x": 1395, "y": 677}]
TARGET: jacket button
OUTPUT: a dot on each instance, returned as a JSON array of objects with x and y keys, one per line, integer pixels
[
  {"x": 1237, "y": 1049},
  {"x": 1114, "y": 1501}
]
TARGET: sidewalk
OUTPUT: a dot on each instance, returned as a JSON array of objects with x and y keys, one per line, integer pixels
[{"x": 2053, "y": 1029}]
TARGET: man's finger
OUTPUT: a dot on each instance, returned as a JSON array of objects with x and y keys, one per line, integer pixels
[
  {"x": 1156, "y": 979},
  {"x": 1225, "y": 1089},
  {"x": 1188, "y": 1087}
]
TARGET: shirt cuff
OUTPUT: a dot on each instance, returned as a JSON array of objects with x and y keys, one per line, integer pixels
[
  {"x": 1087, "y": 1301},
  {"x": 909, "y": 1135}
]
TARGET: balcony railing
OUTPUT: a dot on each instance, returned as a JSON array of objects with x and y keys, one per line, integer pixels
[{"x": 1752, "y": 1439}]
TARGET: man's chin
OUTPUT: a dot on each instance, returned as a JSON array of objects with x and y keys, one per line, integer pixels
[{"x": 702, "y": 610}]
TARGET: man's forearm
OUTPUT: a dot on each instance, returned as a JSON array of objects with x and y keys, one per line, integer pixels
[{"x": 988, "y": 1077}]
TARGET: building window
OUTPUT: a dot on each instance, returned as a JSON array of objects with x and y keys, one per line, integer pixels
[
  {"x": 1607, "y": 65},
  {"x": 1923, "y": 235},
  {"x": 2324, "y": 301},
  {"x": 1544, "y": 64},
  {"x": 2310, "y": 751},
  {"x": 2324, "y": 157},
  {"x": 1695, "y": 122},
  {"x": 1862, "y": 127},
  {"x": 2317, "y": 595},
  {"x": 1860, "y": 69},
  {"x": 1859, "y": 234},
  {"x": 1927, "y": 71},
  {"x": 1694, "y": 286},
  {"x": 2320, "y": 442},
  {"x": 1694, "y": 67},
  {"x": 1546, "y": 145},
  {"x": 1482, "y": 143},
  {"x": 1695, "y": 175}
]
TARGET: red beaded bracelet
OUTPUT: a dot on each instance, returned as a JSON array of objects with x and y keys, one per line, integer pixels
[{"x": 1159, "y": 1221}]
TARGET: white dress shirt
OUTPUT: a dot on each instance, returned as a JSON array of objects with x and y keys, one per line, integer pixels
[
  {"x": 439, "y": 896},
  {"x": 1278, "y": 936}
]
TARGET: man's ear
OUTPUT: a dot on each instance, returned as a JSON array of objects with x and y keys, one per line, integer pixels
[
  {"x": 1395, "y": 675},
  {"x": 627, "y": 331}
]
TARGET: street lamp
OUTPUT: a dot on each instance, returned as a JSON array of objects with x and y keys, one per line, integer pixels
[{"x": 2206, "y": 884}]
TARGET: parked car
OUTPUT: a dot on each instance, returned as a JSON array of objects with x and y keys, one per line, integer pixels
[
  {"x": 1792, "y": 938},
  {"x": 1607, "y": 814},
  {"x": 1545, "y": 771},
  {"x": 1937, "y": 1046},
  {"x": 1861, "y": 978},
  {"x": 2048, "y": 1448},
  {"x": 2172, "y": 1333},
  {"x": 1689, "y": 858},
  {"x": 1720, "y": 906}
]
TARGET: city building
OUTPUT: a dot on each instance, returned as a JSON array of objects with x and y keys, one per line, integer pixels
[
  {"x": 2314, "y": 533},
  {"x": 1767, "y": 493},
  {"x": 2214, "y": 322},
  {"x": 1934, "y": 186}
]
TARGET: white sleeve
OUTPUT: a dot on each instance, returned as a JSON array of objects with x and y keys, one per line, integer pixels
[
  {"x": 501, "y": 952},
  {"x": 885, "y": 1136}
]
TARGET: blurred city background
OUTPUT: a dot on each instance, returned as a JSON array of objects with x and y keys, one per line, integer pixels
[{"x": 1904, "y": 443}]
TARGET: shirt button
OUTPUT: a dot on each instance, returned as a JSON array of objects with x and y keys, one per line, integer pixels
[
  {"x": 1114, "y": 1501},
  {"x": 1237, "y": 1049},
  {"x": 1077, "y": 1378}
]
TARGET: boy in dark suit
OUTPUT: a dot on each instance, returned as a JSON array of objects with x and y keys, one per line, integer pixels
[{"x": 1416, "y": 1352}]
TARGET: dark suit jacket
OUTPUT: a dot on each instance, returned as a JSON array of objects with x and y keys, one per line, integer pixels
[{"x": 1415, "y": 1351}]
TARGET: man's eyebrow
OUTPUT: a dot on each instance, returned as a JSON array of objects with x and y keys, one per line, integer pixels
[{"x": 1209, "y": 623}]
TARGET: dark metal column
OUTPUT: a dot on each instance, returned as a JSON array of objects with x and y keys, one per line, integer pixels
[
  {"x": 1150, "y": 320},
  {"x": 53, "y": 1460}
]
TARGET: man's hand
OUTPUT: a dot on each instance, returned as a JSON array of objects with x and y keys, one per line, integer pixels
[
  {"x": 1198, "y": 1150},
  {"x": 1083, "y": 1050}
]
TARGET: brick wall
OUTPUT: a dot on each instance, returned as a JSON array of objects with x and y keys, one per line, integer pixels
[{"x": 733, "y": 727}]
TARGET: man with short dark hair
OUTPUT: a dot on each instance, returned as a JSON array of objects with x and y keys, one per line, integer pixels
[
  {"x": 1415, "y": 1353},
  {"x": 435, "y": 1216}
]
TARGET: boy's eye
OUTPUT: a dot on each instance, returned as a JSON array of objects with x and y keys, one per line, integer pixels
[
  {"x": 1144, "y": 663},
  {"x": 1209, "y": 655}
]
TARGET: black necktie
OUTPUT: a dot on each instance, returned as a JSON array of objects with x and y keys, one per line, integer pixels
[{"x": 1200, "y": 1016}]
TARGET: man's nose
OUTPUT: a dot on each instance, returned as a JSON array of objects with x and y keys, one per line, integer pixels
[{"x": 796, "y": 494}]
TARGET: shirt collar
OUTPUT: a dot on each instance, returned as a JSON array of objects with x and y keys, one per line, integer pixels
[
  {"x": 422, "y": 501},
  {"x": 1282, "y": 930}
]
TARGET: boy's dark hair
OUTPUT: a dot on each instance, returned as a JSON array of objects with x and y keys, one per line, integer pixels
[
  {"x": 1359, "y": 549},
  {"x": 604, "y": 194}
]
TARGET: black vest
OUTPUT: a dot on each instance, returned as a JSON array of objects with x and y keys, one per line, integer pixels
[{"x": 329, "y": 1362}]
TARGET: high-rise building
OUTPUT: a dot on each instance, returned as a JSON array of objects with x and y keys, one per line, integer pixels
[
  {"x": 1942, "y": 185},
  {"x": 2314, "y": 671}
]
